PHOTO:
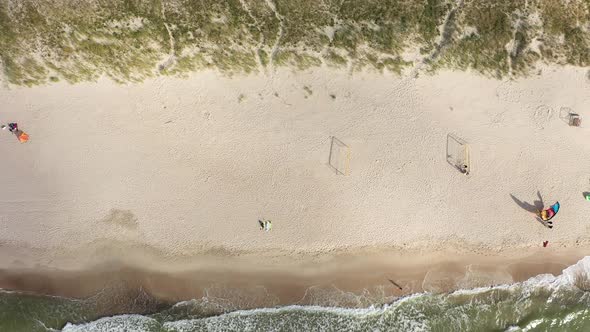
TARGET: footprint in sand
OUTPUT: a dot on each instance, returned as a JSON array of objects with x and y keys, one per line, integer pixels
[{"x": 542, "y": 115}]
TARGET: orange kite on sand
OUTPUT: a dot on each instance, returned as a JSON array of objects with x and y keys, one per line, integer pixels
[{"x": 22, "y": 136}]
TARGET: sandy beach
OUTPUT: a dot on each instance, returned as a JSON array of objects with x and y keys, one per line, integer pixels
[{"x": 183, "y": 169}]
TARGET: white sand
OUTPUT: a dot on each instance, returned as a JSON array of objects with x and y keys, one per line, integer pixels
[{"x": 188, "y": 168}]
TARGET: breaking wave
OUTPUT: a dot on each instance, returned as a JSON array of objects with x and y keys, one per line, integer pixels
[{"x": 544, "y": 302}]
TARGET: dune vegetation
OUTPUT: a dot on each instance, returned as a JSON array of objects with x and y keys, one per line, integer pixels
[{"x": 44, "y": 41}]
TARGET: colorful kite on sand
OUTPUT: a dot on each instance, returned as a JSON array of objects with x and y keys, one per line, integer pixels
[{"x": 549, "y": 213}]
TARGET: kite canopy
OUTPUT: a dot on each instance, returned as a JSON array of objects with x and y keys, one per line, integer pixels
[
  {"x": 555, "y": 207},
  {"x": 22, "y": 136},
  {"x": 550, "y": 212}
]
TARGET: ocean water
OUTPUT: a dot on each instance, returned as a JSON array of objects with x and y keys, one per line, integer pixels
[{"x": 542, "y": 303}]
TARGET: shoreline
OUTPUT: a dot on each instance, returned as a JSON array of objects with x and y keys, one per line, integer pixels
[
  {"x": 134, "y": 298},
  {"x": 349, "y": 279}
]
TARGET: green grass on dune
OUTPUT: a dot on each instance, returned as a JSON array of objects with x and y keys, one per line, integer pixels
[
  {"x": 43, "y": 41},
  {"x": 568, "y": 38}
]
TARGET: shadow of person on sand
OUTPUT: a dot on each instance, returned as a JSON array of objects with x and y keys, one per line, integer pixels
[
  {"x": 537, "y": 206},
  {"x": 533, "y": 208}
]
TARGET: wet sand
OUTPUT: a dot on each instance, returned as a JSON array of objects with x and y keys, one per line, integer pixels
[{"x": 238, "y": 282}]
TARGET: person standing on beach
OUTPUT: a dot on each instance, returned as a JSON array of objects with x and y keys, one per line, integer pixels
[
  {"x": 12, "y": 127},
  {"x": 464, "y": 169}
]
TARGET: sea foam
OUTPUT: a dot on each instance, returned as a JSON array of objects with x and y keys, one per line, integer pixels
[{"x": 541, "y": 302}]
